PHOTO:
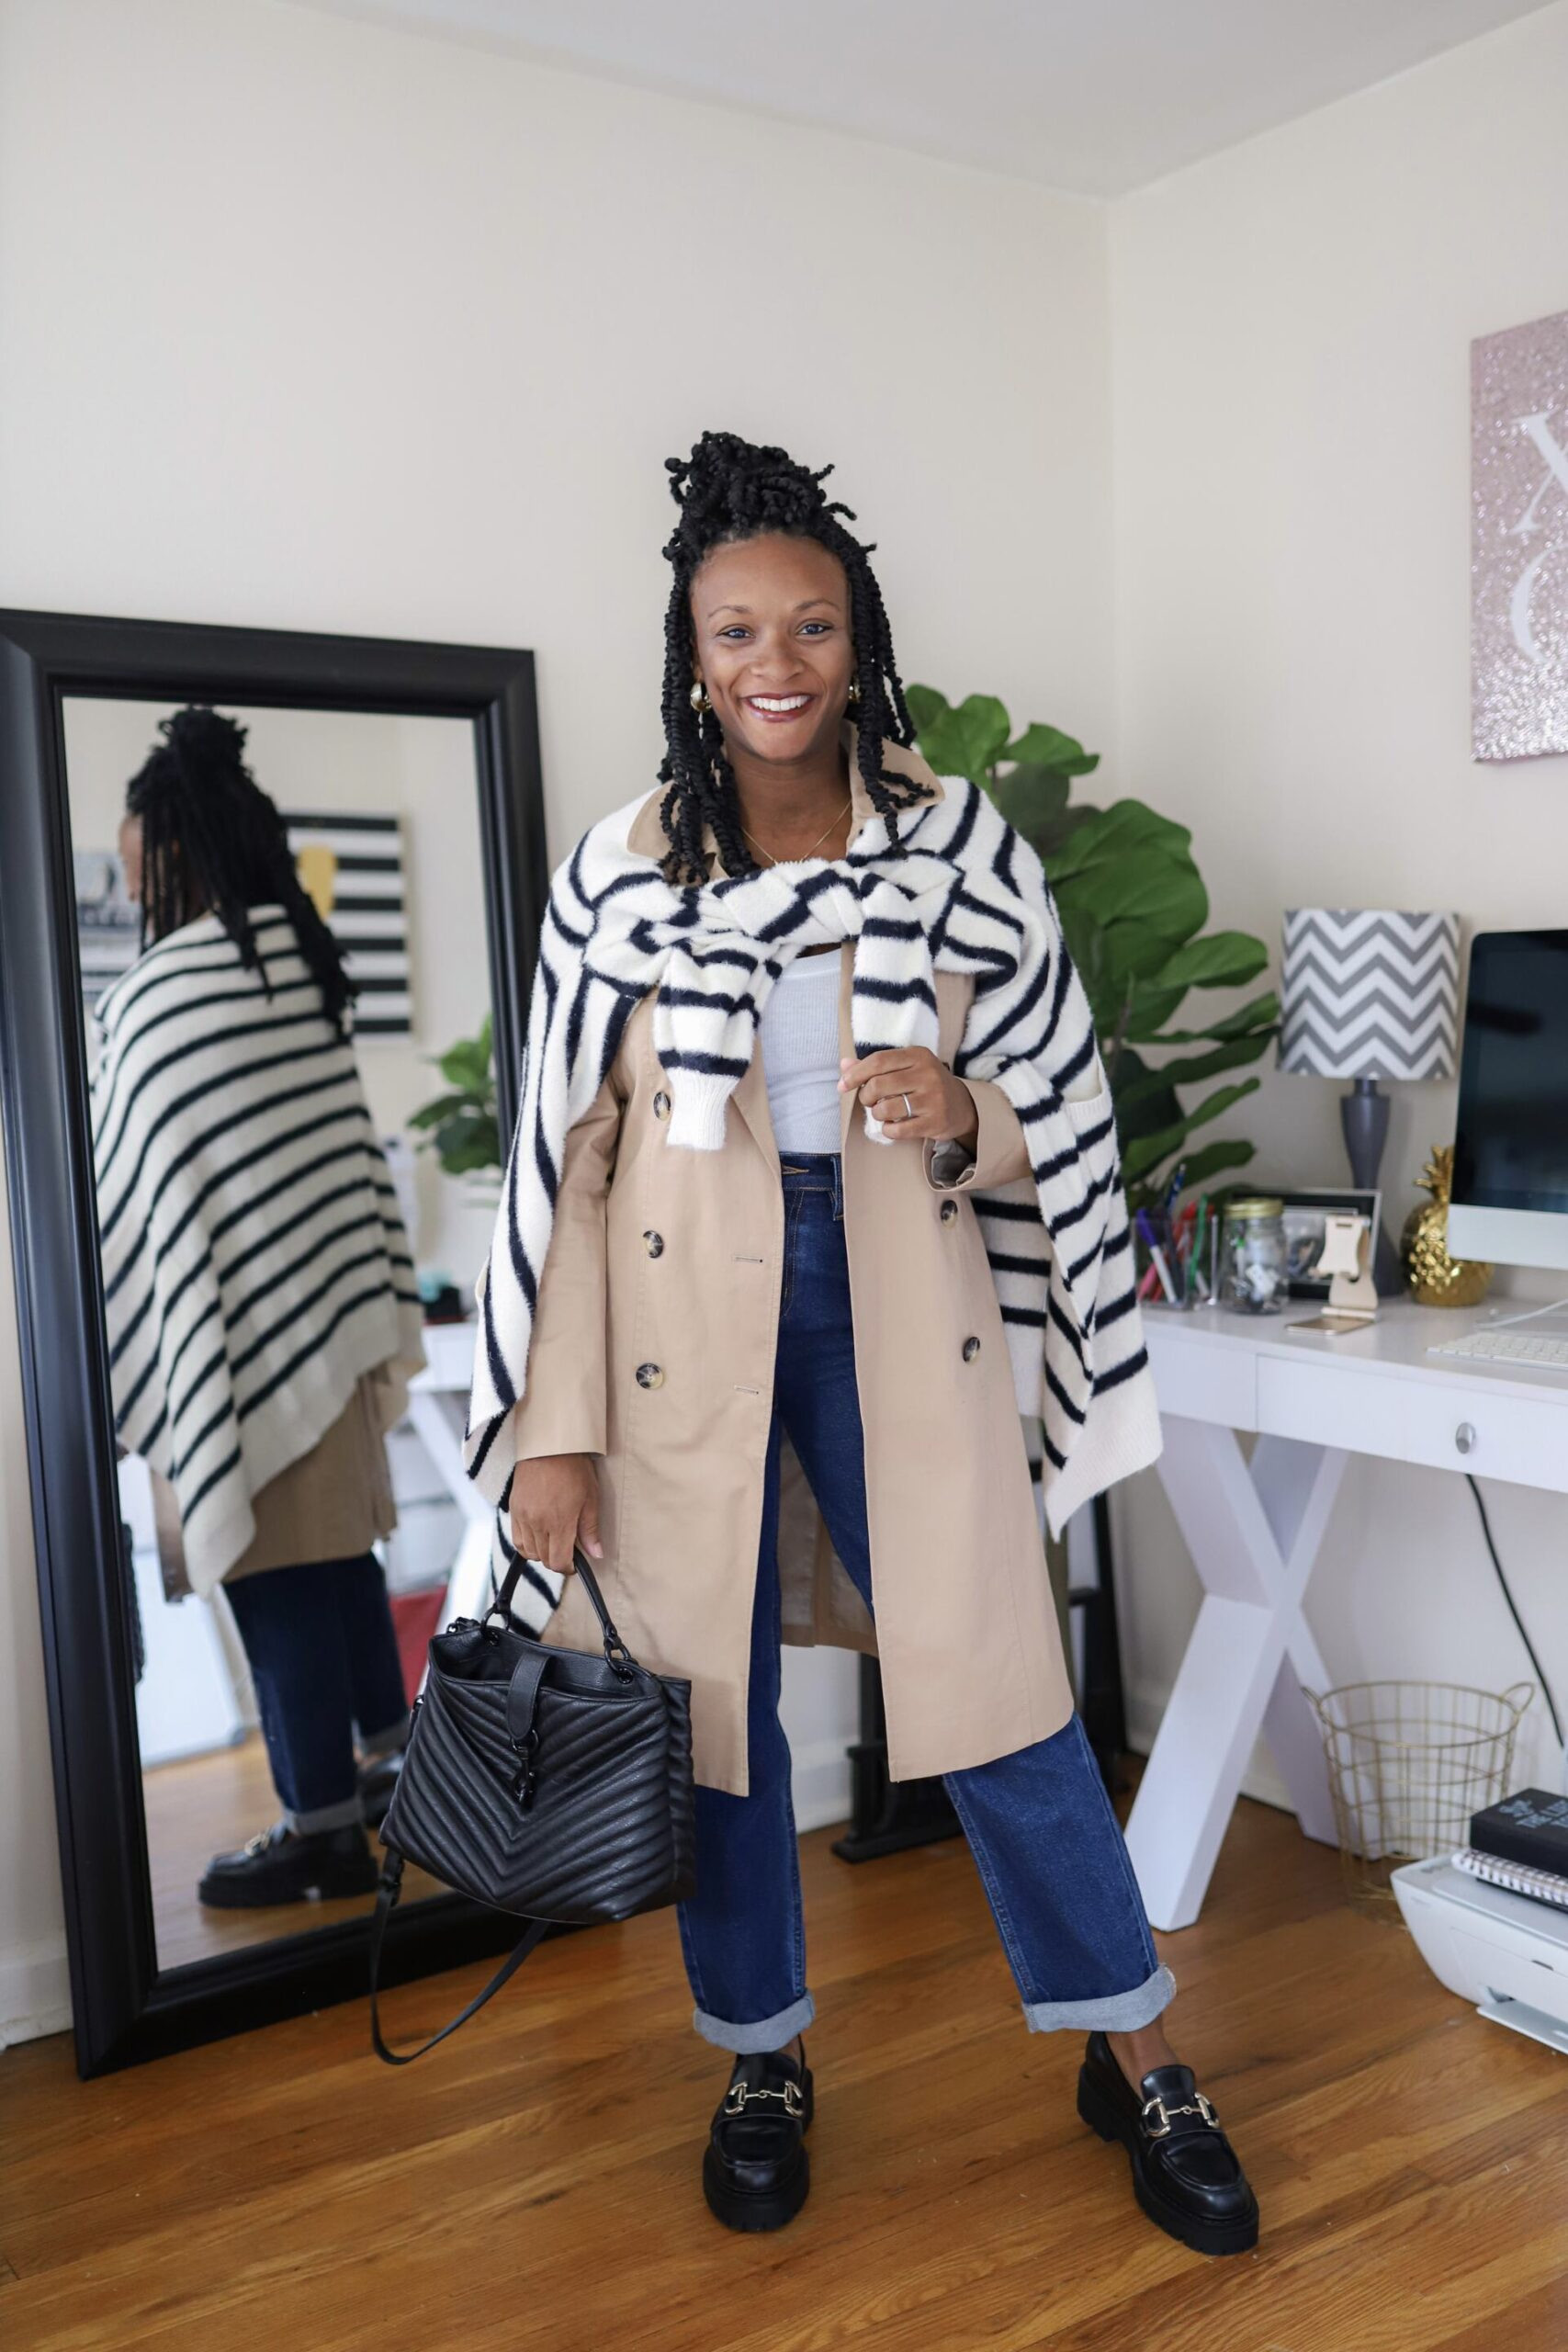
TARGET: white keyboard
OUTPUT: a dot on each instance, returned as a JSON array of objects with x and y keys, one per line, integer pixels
[{"x": 1507, "y": 1347}]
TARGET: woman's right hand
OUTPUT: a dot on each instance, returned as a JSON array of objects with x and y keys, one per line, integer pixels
[{"x": 555, "y": 1503}]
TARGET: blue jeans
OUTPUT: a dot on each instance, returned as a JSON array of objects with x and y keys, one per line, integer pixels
[
  {"x": 1048, "y": 1846},
  {"x": 324, "y": 1656}
]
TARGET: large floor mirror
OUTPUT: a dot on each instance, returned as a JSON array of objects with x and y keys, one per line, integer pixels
[{"x": 253, "y": 1138}]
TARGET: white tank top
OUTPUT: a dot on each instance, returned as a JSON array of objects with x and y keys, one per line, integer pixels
[{"x": 800, "y": 1054}]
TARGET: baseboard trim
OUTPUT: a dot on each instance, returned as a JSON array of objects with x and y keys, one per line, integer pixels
[
  {"x": 820, "y": 1783},
  {"x": 34, "y": 1993}
]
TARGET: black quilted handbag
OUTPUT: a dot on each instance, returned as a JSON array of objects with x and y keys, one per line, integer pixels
[{"x": 553, "y": 1783}]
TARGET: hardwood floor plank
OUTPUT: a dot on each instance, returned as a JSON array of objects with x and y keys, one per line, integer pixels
[{"x": 535, "y": 2181}]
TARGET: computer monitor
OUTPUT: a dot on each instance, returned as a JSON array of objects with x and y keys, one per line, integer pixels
[{"x": 1510, "y": 1187}]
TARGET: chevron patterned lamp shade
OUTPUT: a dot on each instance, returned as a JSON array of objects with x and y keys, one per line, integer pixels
[{"x": 1369, "y": 994}]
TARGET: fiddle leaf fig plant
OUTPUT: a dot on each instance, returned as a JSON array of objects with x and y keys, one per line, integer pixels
[
  {"x": 463, "y": 1124},
  {"x": 1132, "y": 907}
]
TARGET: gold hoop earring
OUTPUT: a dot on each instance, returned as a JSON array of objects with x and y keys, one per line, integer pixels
[{"x": 699, "y": 696}]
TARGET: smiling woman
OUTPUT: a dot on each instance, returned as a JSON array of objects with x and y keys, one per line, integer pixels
[
  {"x": 726, "y": 1322},
  {"x": 776, "y": 628}
]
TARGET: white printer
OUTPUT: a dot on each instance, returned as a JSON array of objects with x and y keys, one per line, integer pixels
[{"x": 1505, "y": 1952}]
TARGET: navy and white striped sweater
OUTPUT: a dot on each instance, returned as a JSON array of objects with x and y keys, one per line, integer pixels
[
  {"x": 962, "y": 892},
  {"x": 255, "y": 1260}
]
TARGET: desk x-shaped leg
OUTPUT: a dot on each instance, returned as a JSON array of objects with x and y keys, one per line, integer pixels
[{"x": 1253, "y": 1531}]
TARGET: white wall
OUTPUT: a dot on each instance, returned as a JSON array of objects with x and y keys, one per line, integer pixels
[
  {"x": 313, "y": 325},
  {"x": 1290, "y": 331}
]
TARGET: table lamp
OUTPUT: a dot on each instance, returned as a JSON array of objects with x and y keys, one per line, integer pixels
[{"x": 1369, "y": 994}]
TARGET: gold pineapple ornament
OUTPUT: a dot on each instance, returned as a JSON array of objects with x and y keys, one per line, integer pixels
[{"x": 1431, "y": 1276}]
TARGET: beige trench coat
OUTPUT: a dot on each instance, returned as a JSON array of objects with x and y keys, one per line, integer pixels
[{"x": 671, "y": 1262}]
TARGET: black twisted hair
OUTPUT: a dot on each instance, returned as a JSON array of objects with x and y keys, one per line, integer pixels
[
  {"x": 212, "y": 842},
  {"x": 730, "y": 489}
]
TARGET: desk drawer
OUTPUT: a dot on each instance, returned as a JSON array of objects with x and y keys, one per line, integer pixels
[{"x": 1332, "y": 1402}]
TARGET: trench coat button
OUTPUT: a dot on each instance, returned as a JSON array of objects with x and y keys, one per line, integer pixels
[
  {"x": 971, "y": 1349},
  {"x": 662, "y": 1104},
  {"x": 654, "y": 1244},
  {"x": 949, "y": 1211},
  {"x": 650, "y": 1376}
]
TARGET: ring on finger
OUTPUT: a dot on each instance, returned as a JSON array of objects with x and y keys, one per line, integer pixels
[{"x": 908, "y": 1108}]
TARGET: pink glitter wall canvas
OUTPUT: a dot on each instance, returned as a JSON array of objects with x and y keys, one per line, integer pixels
[{"x": 1519, "y": 612}]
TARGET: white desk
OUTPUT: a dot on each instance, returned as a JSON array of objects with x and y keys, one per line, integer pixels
[
  {"x": 438, "y": 1404},
  {"x": 1255, "y": 1527}
]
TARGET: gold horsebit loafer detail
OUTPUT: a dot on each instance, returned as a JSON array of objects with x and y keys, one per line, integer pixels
[
  {"x": 740, "y": 2096},
  {"x": 1196, "y": 2105}
]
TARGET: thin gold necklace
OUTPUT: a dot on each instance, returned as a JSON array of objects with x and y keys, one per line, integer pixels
[{"x": 830, "y": 826}]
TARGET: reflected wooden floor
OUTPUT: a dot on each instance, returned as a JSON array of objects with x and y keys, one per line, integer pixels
[
  {"x": 534, "y": 2182},
  {"x": 208, "y": 1804}
]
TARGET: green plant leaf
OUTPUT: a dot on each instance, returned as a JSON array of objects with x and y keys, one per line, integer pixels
[
  {"x": 1148, "y": 1009},
  {"x": 1147, "y": 1151},
  {"x": 1261, "y": 1013},
  {"x": 1089, "y": 950},
  {"x": 926, "y": 705},
  {"x": 1145, "y": 1104},
  {"x": 1131, "y": 873},
  {"x": 1031, "y": 798},
  {"x": 466, "y": 1064},
  {"x": 1047, "y": 747},
  {"x": 1210, "y": 1158},
  {"x": 1232, "y": 1053},
  {"x": 1047, "y": 840},
  {"x": 1224, "y": 959},
  {"x": 466, "y": 1154},
  {"x": 430, "y": 1114},
  {"x": 965, "y": 742}
]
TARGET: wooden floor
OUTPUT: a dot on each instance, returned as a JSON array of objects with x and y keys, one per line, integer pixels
[
  {"x": 534, "y": 2182},
  {"x": 208, "y": 1804}
]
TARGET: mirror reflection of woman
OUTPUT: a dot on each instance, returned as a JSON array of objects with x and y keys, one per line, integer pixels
[
  {"x": 814, "y": 1205},
  {"x": 262, "y": 1318}
]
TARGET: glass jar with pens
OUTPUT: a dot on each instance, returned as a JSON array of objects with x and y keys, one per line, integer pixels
[{"x": 1177, "y": 1250}]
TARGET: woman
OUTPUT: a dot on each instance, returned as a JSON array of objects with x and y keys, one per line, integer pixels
[
  {"x": 813, "y": 1194},
  {"x": 263, "y": 1320}
]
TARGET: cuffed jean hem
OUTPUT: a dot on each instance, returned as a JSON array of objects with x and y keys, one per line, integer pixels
[
  {"x": 324, "y": 1816},
  {"x": 1115, "y": 2013},
  {"x": 769, "y": 2033}
]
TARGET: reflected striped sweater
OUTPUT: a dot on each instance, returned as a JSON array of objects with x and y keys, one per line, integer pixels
[{"x": 255, "y": 1261}]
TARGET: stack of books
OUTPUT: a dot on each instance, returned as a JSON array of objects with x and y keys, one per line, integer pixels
[{"x": 1521, "y": 1844}]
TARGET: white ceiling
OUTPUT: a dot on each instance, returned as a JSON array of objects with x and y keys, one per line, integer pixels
[{"x": 1092, "y": 96}]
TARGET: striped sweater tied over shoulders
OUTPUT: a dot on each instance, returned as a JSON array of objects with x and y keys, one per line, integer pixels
[
  {"x": 255, "y": 1260},
  {"x": 962, "y": 891}
]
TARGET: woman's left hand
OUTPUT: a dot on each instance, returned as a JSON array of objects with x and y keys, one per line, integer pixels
[{"x": 939, "y": 1107}]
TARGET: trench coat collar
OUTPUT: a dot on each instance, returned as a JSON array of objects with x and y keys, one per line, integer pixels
[{"x": 646, "y": 839}]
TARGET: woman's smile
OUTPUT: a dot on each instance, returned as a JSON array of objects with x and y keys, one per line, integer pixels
[{"x": 776, "y": 708}]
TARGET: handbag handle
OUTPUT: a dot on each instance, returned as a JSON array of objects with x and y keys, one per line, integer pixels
[{"x": 617, "y": 1654}]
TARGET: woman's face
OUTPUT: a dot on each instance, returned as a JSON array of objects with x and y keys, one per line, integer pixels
[{"x": 771, "y": 635}]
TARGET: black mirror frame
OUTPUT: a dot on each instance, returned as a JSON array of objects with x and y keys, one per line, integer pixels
[{"x": 126, "y": 2007}]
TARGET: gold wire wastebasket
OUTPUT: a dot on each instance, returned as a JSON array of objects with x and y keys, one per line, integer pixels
[{"x": 1408, "y": 1763}]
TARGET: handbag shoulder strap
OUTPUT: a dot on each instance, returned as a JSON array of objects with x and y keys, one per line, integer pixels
[{"x": 387, "y": 1892}]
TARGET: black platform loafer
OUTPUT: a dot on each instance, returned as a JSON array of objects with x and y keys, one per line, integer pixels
[
  {"x": 755, "y": 2168},
  {"x": 284, "y": 1865},
  {"x": 1186, "y": 2174}
]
